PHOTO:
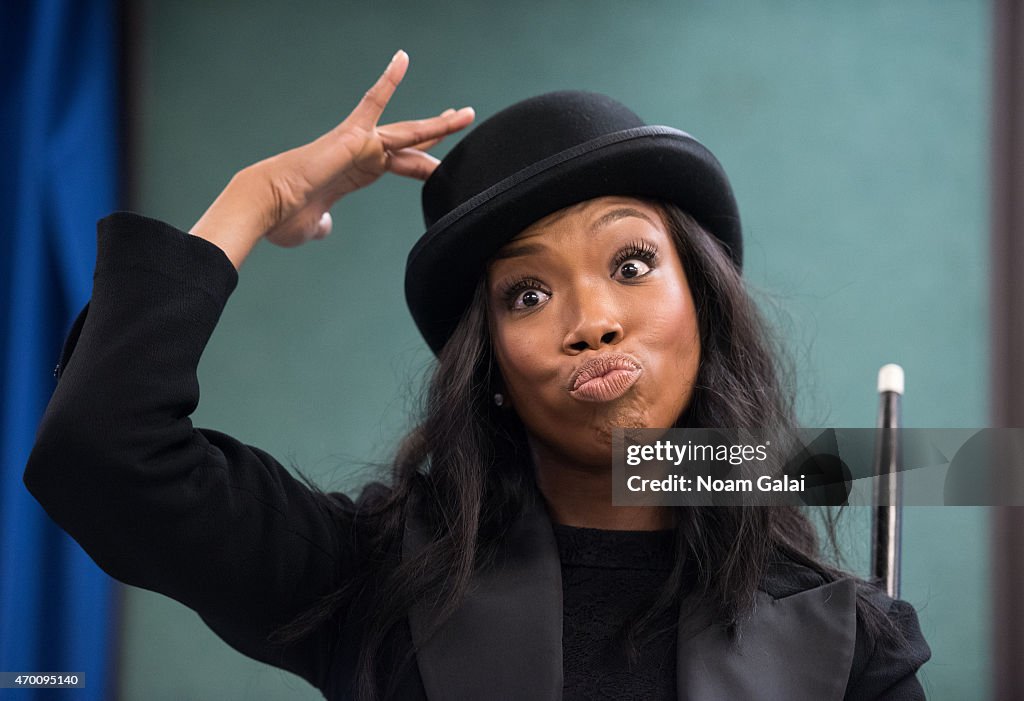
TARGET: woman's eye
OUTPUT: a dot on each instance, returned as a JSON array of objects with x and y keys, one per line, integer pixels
[
  {"x": 530, "y": 298},
  {"x": 633, "y": 268}
]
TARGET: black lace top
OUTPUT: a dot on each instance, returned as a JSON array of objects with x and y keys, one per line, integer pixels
[{"x": 607, "y": 577}]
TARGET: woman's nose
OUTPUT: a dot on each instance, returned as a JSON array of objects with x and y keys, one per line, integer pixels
[{"x": 595, "y": 323}]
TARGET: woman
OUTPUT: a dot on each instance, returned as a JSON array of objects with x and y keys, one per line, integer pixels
[{"x": 580, "y": 272}]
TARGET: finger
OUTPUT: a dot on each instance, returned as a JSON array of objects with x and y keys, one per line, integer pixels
[
  {"x": 412, "y": 163},
  {"x": 427, "y": 145},
  {"x": 408, "y": 134},
  {"x": 430, "y": 143},
  {"x": 369, "y": 109}
]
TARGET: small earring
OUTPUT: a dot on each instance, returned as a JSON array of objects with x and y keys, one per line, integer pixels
[{"x": 499, "y": 399}]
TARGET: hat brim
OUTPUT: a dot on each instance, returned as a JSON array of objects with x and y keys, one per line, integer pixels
[{"x": 652, "y": 161}]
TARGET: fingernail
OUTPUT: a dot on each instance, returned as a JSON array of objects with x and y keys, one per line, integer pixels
[
  {"x": 467, "y": 110},
  {"x": 397, "y": 54}
]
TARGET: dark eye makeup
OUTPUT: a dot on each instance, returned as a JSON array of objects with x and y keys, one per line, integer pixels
[
  {"x": 524, "y": 292},
  {"x": 639, "y": 249},
  {"x": 513, "y": 289}
]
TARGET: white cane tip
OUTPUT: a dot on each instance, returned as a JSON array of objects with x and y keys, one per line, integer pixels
[{"x": 890, "y": 379}]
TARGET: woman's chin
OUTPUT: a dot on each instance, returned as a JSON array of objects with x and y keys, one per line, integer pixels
[{"x": 623, "y": 419}]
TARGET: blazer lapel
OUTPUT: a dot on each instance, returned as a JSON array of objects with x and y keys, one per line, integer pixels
[
  {"x": 505, "y": 639},
  {"x": 798, "y": 648}
]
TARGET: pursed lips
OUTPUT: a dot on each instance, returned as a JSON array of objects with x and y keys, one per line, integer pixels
[{"x": 604, "y": 377}]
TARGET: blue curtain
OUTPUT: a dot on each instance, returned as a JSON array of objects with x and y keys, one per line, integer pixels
[{"x": 58, "y": 139}]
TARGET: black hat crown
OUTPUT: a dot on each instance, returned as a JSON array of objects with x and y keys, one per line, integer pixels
[
  {"x": 534, "y": 158},
  {"x": 515, "y": 139}
]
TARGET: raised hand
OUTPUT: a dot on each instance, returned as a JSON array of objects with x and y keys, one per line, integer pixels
[{"x": 285, "y": 198}]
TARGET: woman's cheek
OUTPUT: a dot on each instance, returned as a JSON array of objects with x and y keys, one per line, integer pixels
[{"x": 517, "y": 357}]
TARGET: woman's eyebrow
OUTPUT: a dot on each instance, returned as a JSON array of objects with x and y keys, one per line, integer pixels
[
  {"x": 514, "y": 250},
  {"x": 619, "y": 213},
  {"x": 517, "y": 250}
]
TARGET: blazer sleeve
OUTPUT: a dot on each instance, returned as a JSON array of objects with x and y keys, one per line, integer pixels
[
  {"x": 888, "y": 671},
  {"x": 194, "y": 514}
]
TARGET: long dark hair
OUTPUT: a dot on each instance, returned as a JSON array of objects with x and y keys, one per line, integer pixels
[{"x": 467, "y": 467}]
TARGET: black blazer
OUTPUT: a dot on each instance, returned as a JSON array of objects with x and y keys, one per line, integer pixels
[{"x": 225, "y": 529}]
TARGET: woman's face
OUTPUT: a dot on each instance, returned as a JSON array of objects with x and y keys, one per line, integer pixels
[{"x": 594, "y": 327}]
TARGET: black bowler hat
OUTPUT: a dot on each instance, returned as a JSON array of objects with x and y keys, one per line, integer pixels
[{"x": 534, "y": 158}]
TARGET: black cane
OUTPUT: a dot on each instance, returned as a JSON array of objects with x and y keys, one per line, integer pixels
[{"x": 886, "y": 524}]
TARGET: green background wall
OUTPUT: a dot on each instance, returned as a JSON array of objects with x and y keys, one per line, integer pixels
[{"x": 855, "y": 135}]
